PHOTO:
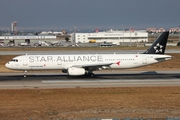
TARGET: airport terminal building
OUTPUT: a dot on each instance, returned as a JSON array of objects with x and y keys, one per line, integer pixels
[
  {"x": 115, "y": 37},
  {"x": 110, "y": 36}
]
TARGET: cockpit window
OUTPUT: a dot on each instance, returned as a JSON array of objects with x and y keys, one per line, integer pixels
[{"x": 14, "y": 60}]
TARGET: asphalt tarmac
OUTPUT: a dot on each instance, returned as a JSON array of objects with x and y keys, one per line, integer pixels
[{"x": 102, "y": 79}]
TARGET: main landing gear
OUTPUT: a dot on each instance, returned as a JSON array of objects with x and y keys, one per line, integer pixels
[{"x": 89, "y": 74}]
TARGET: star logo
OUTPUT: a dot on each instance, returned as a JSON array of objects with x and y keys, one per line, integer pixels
[{"x": 158, "y": 48}]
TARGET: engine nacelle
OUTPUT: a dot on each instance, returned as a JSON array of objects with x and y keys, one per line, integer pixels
[{"x": 76, "y": 71}]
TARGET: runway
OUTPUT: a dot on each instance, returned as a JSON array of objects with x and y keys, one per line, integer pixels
[{"x": 102, "y": 79}]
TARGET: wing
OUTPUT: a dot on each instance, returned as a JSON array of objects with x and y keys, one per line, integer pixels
[{"x": 93, "y": 67}]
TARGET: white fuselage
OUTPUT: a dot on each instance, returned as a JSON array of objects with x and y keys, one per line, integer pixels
[{"x": 60, "y": 62}]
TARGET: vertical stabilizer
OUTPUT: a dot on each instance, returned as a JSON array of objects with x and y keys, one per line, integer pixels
[{"x": 159, "y": 45}]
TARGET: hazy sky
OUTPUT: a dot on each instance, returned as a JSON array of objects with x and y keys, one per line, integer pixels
[{"x": 90, "y": 14}]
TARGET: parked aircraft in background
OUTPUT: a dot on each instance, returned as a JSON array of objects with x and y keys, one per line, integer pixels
[
  {"x": 51, "y": 33},
  {"x": 85, "y": 64},
  {"x": 41, "y": 43}
]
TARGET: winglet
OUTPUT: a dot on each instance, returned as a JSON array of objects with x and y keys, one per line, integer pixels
[{"x": 159, "y": 45}]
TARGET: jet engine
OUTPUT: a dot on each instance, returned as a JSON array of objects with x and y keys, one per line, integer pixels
[{"x": 76, "y": 71}]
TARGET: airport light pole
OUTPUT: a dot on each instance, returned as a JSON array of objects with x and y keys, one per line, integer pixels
[
  {"x": 179, "y": 33},
  {"x": 74, "y": 34},
  {"x": 123, "y": 34},
  {"x": 130, "y": 38}
]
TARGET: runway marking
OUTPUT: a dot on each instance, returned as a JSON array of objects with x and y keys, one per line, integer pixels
[{"x": 106, "y": 81}]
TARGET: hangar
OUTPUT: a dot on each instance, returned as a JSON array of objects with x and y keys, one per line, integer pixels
[{"x": 24, "y": 39}]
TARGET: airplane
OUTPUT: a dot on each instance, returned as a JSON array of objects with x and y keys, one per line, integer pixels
[{"x": 85, "y": 64}]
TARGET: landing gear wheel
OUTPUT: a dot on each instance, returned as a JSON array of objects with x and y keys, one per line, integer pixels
[
  {"x": 25, "y": 73},
  {"x": 89, "y": 74}
]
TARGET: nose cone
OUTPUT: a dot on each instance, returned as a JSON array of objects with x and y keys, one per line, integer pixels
[{"x": 7, "y": 65}]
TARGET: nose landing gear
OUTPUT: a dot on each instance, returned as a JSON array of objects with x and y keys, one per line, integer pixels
[{"x": 25, "y": 73}]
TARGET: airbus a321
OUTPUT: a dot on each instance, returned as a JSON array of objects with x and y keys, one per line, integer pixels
[{"x": 85, "y": 64}]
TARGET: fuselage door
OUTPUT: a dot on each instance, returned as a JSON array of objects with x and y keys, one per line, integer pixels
[
  {"x": 144, "y": 59},
  {"x": 59, "y": 62},
  {"x": 25, "y": 60}
]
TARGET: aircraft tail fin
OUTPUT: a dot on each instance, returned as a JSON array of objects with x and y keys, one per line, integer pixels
[{"x": 159, "y": 45}]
